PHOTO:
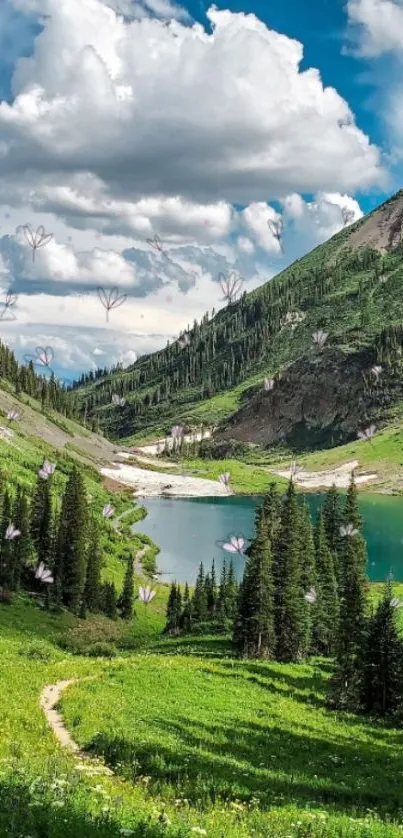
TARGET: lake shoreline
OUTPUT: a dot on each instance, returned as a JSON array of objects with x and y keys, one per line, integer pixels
[{"x": 152, "y": 482}]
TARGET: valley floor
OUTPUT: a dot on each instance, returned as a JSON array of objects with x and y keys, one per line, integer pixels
[{"x": 184, "y": 740}]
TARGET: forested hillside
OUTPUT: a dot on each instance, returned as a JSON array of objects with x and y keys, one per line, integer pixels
[{"x": 348, "y": 290}]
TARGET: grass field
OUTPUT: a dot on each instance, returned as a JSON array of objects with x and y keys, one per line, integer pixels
[{"x": 200, "y": 743}]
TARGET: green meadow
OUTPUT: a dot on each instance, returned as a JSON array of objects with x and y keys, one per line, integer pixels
[{"x": 198, "y": 743}]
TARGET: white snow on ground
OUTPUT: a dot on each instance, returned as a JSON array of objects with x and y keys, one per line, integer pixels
[
  {"x": 339, "y": 476},
  {"x": 153, "y": 483},
  {"x": 157, "y": 447}
]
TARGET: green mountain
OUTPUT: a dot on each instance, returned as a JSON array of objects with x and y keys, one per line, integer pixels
[{"x": 349, "y": 288}]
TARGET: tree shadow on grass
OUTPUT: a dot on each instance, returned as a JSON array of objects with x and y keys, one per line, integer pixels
[{"x": 205, "y": 762}]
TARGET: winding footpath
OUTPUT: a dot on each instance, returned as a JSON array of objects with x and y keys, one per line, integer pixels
[{"x": 50, "y": 696}]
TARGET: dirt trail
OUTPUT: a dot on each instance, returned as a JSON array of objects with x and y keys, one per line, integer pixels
[{"x": 50, "y": 696}]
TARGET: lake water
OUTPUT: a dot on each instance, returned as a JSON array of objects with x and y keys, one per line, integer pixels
[{"x": 189, "y": 530}]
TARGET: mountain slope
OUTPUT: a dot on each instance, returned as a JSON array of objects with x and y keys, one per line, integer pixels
[{"x": 350, "y": 287}]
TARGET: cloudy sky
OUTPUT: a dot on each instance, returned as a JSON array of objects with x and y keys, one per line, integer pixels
[{"x": 123, "y": 120}]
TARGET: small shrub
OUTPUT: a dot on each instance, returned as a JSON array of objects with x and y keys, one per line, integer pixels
[
  {"x": 100, "y": 650},
  {"x": 86, "y": 634},
  {"x": 37, "y": 651}
]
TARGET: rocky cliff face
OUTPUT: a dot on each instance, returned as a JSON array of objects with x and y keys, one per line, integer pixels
[{"x": 318, "y": 402}]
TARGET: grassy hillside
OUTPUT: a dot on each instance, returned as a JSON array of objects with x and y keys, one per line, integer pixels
[
  {"x": 36, "y": 435},
  {"x": 350, "y": 287},
  {"x": 215, "y": 747}
]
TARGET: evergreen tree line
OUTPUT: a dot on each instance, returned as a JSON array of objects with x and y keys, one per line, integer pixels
[
  {"x": 305, "y": 592},
  {"x": 223, "y": 348},
  {"x": 211, "y": 608},
  {"x": 58, "y": 539},
  {"x": 48, "y": 391}
]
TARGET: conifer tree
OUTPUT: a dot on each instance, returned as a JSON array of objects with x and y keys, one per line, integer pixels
[
  {"x": 308, "y": 571},
  {"x": 325, "y": 610},
  {"x": 174, "y": 609},
  {"x": 210, "y": 586},
  {"x": 42, "y": 521},
  {"x": 199, "y": 601},
  {"x": 272, "y": 512},
  {"x": 332, "y": 521},
  {"x": 127, "y": 596},
  {"x": 289, "y": 602},
  {"x": 6, "y": 547},
  {"x": 382, "y": 660},
  {"x": 232, "y": 592},
  {"x": 71, "y": 558},
  {"x": 353, "y": 591},
  {"x": 23, "y": 550},
  {"x": 185, "y": 622},
  {"x": 109, "y": 600},
  {"x": 92, "y": 589},
  {"x": 254, "y": 621},
  {"x": 222, "y": 592}
]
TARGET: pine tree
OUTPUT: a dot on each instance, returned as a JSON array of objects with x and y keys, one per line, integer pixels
[
  {"x": 23, "y": 550},
  {"x": 272, "y": 512},
  {"x": 210, "y": 587},
  {"x": 71, "y": 558},
  {"x": 109, "y": 600},
  {"x": 353, "y": 605},
  {"x": 174, "y": 610},
  {"x": 199, "y": 601},
  {"x": 42, "y": 521},
  {"x": 92, "y": 589},
  {"x": 127, "y": 596},
  {"x": 6, "y": 547},
  {"x": 325, "y": 610},
  {"x": 289, "y": 602},
  {"x": 222, "y": 593},
  {"x": 332, "y": 521},
  {"x": 382, "y": 660},
  {"x": 254, "y": 622},
  {"x": 185, "y": 622},
  {"x": 232, "y": 592},
  {"x": 308, "y": 571}
]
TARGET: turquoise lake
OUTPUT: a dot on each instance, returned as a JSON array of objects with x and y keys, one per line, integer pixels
[{"x": 187, "y": 531}]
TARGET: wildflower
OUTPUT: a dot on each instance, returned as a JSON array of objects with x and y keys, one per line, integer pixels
[
  {"x": 376, "y": 371},
  {"x": 225, "y": 478},
  {"x": 235, "y": 544},
  {"x": 184, "y": 340},
  {"x": 310, "y": 596},
  {"x": 277, "y": 229},
  {"x": 268, "y": 384},
  {"x": 348, "y": 215},
  {"x": 46, "y": 470},
  {"x": 295, "y": 469},
  {"x": 396, "y": 603},
  {"x": 348, "y": 530},
  {"x": 199, "y": 830},
  {"x": 12, "y": 415},
  {"x": 146, "y": 594},
  {"x": 111, "y": 299},
  {"x": 230, "y": 286},
  {"x": 119, "y": 400},
  {"x": 177, "y": 432},
  {"x": 11, "y": 533},
  {"x": 36, "y": 238},
  {"x": 43, "y": 574},
  {"x": 320, "y": 337},
  {"x": 108, "y": 511},
  {"x": 368, "y": 433}
]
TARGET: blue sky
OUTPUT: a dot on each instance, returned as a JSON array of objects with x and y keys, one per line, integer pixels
[{"x": 119, "y": 129}]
